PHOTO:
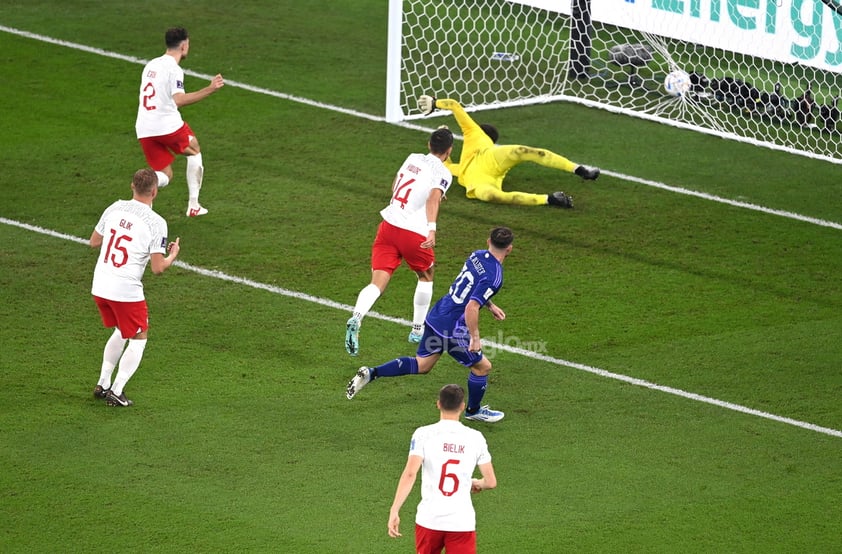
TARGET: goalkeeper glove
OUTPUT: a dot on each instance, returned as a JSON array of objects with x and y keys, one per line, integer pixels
[{"x": 427, "y": 104}]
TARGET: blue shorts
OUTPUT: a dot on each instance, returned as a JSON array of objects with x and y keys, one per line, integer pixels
[{"x": 457, "y": 346}]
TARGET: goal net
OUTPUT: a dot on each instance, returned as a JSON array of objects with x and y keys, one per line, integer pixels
[{"x": 765, "y": 72}]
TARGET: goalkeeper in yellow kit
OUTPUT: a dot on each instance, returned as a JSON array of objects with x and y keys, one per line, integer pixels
[{"x": 484, "y": 164}]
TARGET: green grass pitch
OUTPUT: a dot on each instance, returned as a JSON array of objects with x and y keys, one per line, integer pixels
[{"x": 684, "y": 392}]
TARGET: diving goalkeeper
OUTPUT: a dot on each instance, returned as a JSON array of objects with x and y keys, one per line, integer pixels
[{"x": 484, "y": 164}]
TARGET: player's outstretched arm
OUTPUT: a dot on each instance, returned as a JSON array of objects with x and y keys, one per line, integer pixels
[
  {"x": 187, "y": 98},
  {"x": 465, "y": 122}
]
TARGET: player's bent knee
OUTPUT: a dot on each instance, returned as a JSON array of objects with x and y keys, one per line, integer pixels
[
  {"x": 424, "y": 371},
  {"x": 482, "y": 368}
]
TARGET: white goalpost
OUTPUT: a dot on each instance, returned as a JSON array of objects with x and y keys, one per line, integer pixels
[{"x": 766, "y": 72}]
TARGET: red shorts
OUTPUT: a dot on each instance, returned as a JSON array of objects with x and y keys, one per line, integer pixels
[
  {"x": 429, "y": 541},
  {"x": 159, "y": 150},
  {"x": 130, "y": 317},
  {"x": 393, "y": 244}
]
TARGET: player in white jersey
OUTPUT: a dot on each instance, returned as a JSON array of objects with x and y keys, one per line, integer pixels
[
  {"x": 447, "y": 453},
  {"x": 161, "y": 131},
  {"x": 129, "y": 235},
  {"x": 407, "y": 232}
]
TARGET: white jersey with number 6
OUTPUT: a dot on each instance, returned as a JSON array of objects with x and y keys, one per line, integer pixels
[
  {"x": 157, "y": 112},
  {"x": 450, "y": 451},
  {"x": 131, "y": 233},
  {"x": 417, "y": 177}
]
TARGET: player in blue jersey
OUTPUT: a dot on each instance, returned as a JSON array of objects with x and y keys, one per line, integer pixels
[{"x": 452, "y": 326}]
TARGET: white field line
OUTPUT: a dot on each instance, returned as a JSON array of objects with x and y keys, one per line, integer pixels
[
  {"x": 215, "y": 274},
  {"x": 355, "y": 113},
  {"x": 345, "y": 307}
]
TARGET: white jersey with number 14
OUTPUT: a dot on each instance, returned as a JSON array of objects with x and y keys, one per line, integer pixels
[{"x": 417, "y": 177}]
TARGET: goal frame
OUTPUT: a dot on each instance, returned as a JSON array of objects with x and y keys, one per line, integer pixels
[{"x": 577, "y": 66}]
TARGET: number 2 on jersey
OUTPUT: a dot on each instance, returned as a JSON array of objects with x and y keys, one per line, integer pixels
[
  {"x": 148, "y": 95},
  {"x": 401, "y": 187}
]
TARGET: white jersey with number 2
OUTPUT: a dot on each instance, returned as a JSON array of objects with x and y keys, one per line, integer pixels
[
  {"x": 417, "y": 177},
  {"x": 451, "y": 451},
  {"x": 157, "y": 112},
  {"x": 131, "y": 233}
]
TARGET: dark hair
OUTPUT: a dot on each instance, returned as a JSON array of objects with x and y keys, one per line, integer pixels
[
  {"x": 175, "y": 36},
  {"x": 451, "y": 398},
  {"x": 501, "y": 237},
  {"x": 440, "y": 141},
  {"x": 144, "y": 181},
  {"x": 491, "y": 131}
]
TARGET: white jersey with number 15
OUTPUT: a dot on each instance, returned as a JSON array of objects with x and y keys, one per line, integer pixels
[{"x": 131, "y": 233}]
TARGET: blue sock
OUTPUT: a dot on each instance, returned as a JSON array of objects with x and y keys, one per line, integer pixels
[
  {"x": 476, "y": 390},
  {"x": 396, "y": 368}
]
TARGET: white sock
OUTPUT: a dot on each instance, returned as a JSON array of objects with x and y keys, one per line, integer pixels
[
  {"x": 365, "y": 300},
  {"x": 195, "y": 172},
  {"x": 129, "y": 362},
  {"x": 110, "y": 357},
  {"x": 163, "y": 180},
  {"x": 421, "y": 303}
]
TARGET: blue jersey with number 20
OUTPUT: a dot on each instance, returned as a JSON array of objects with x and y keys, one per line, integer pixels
[{"x": 480, "y": 279}]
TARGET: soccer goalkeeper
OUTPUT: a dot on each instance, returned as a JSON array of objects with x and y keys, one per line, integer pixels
[{"x": 484, "y": 164}]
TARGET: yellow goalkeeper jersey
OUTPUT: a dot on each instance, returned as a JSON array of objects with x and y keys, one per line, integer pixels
[{"x": 477, "y": 165}]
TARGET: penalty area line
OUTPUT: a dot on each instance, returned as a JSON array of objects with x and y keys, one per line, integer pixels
[{"x": 216, "y": 274}]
